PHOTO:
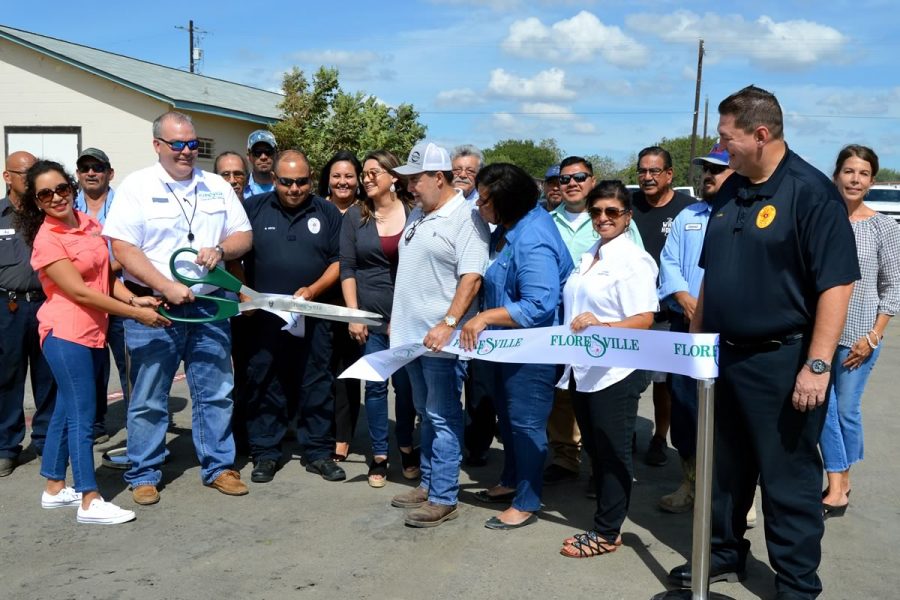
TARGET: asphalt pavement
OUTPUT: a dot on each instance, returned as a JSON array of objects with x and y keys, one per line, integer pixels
[{"x": 302, "y": 537}]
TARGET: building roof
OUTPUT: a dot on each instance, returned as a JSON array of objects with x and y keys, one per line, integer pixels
[{"x": 183, "y": 90}]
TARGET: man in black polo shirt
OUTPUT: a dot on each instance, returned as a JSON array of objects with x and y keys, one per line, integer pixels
[
  {"x": 295, "y": 251},
  {"x": 20, "y": 298},
  {"x": 654, "y": 207},
  {"x": 780, "y": 264}
]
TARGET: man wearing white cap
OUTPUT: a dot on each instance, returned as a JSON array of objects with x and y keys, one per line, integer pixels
[
  {"x": 443, "y": 255},
  {"x": 261, "y": 149},
  {"x": 679, "y": 285}
]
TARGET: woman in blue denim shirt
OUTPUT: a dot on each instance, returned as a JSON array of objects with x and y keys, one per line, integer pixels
[{"x": 522, "y": 288}]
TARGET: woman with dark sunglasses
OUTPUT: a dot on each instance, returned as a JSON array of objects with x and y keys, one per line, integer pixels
[
  {"x": 522, "y": 288},
  {"x": 615, "y": 287},
  {"x": 72, "y": 262}
]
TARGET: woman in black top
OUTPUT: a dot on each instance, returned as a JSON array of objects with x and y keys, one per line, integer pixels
[{"x": 370, "y": 238}]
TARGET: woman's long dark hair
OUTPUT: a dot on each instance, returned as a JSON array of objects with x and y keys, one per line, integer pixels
[
  {"x": 325, "y": 175},
  {"x": 29, "y": 217}
]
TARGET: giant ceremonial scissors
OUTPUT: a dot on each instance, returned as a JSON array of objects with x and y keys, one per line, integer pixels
[{"x": 226, "y": 308}]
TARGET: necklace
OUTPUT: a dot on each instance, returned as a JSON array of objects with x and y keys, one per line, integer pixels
[{"x": 190, "y": 221}]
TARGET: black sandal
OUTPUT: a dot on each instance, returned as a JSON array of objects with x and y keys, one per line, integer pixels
[
  {"x": 588, "y": 544},
  {"x": 378, "y": 473},
  {"x": 411, "y": 461}
]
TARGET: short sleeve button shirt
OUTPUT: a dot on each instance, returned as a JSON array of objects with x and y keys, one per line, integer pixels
[
  {"x": 155, "y": 213},
  {"x": 15, "y": 272},
  {"x": 87, "y": 251}
]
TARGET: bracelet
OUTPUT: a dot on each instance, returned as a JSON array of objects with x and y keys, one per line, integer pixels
[
  {"x": 131, "y": 300},
  {"x": 869, "y": 341}
]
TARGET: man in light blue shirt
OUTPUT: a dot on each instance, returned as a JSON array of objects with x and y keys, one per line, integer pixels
[
  {"x": 680, "y": 277},
  {"x": 261, "y": 149}
]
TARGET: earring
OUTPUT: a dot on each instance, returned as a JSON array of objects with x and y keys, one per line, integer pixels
[{"x": 393, "y": 188}]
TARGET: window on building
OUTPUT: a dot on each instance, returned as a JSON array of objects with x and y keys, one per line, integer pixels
[
  {"x": 61, "y": 144},
  {"x": 207, "y": 147}
]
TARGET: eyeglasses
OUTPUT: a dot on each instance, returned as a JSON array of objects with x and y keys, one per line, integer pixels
[
  {"x": 372, "y": 173},
  {"x": 257, "y": 152},
  {"x": 654, "y": 172},
  {"x": 288, "y": 182},
  {"x": 578, "y": 177},
  {"x": 234, "y": 174},
  {"x": 179, "y": 145},
  {"x": 63, "y": 190},
  {"x": 96, "y": 168},
  {"x": 611, "y": 212},
  {"x": 19, "y": 173},
  {"x": 714, "y": 169},
  {"x": 412, "y": 230},
  {"x": 467, "y": 171}
]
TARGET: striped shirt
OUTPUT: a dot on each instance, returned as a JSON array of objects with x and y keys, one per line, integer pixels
[
  {"x": 878, "y": 291},
  {"x": 447, "y": 244}
]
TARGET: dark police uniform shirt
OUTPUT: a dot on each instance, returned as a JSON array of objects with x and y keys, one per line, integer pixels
[
  {"x": 654, "y": 223},
  {"x": 15, "y": 256},
  {"x": 291, "y": 248},
  {"x": 771, "y": 250}
]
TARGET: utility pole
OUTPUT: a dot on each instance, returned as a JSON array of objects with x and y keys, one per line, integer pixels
[
  {"x": 705, "y": 117},
  {"x": 195, "y": 54},
  {"x": 696, "y": 113}
]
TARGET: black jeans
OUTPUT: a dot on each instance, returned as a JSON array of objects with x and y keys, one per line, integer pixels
[
  {"x": 283, "y": 370},
  {"x": 759, "y": 434},
  {"x": 606, "y": 419}
]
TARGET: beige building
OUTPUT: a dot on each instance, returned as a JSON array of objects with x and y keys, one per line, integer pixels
[{"x": 58, "y": 98}]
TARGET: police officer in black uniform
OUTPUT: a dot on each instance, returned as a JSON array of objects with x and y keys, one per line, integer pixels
[
  {"x": 296, "y": 250},
  {"x": 21, "y": 296},
  {"x": 780, "y": 264}
]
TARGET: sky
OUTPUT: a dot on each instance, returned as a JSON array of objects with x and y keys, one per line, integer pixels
[{"x": 600, "y": 77}]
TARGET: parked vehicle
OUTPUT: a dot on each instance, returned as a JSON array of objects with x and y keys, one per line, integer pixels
[{"x": 885, "y": 198}]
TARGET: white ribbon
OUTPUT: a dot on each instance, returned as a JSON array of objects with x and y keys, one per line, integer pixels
[{"x": 694, "y": 355}]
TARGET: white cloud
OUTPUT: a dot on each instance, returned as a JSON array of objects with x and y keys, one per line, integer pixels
[
  {"x": 536, "y": 119},
  {"x": 547, "y": 85},
  {"x": 364, "y": 65},
  {"x": 579, "y": 39},
  {"x": 783, "y": 45},
  {"x": 545, "y": 110},
  {"x": 458, "y": 97},
  {"x": 862, "y": 102}
]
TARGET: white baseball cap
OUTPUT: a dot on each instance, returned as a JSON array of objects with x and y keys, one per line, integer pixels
[{"x": 426, "y": 156}]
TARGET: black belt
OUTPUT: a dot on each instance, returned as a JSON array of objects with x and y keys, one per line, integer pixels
[
  {"x": 139, "y": 290},
  {"x": 761, "y": 345},
  {"x": 27, "y": 295}
]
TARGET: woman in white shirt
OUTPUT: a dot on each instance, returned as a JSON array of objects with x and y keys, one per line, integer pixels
[{"x": 614, "y": 286}]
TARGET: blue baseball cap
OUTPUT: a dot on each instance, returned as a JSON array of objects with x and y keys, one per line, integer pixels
[
  {"x": 552, "y": 172},
  {"x": 718, "y": 155},
  {"x": 261, "y": 136}
]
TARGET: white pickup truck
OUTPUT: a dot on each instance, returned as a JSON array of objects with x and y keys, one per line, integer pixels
[{"x": 885, "y": 198}]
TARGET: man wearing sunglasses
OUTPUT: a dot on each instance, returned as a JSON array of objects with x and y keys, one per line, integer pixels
[
  {"x": 443, "y": 255},
  {"x": 159, "y": 210},
  {"x": 296, "y": 251},
  {"x": 21, "y": 296},
  {"x": 656, "y": 205},
  {"x": 95, "y": 198},
  {"x": 679, "y": 286},
  {"x": 261, "y": 150}
]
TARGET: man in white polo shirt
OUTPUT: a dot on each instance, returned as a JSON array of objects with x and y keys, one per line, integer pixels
[
  {"x": 158, "y": 210},
  {"x": 443, "y": 255}
]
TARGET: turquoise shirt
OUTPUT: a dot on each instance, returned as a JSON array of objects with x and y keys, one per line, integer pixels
[{"x": 579, "y": 239}]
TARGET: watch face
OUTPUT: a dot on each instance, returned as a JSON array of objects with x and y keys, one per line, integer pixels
[{"x": 818, "y": 366}]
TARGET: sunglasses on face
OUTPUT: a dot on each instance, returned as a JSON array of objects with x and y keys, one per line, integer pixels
[
  {"x": 578, "y": 177},
  {"x": 288, "y": 182},
  {"x": 45, "y": 195},
  {"x": 371, "y": 174},
  {"x": 96, "y": 168},
  {"x": 713, "y": 169},
  {"x": 179, "y": 145},
  {"x": 611, "y": 212},
  {"x": 258, "y": 152}
]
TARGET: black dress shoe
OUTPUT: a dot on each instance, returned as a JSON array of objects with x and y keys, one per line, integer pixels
[
  {"x": 556, "y": 474},
  {"x": 495, "y": 523},
  {"x": 681, "y": 575},
  {"x": 263, "y": 471},
  {"x": 830, "y": 510},
  {"x": 484, "y": 496},
  {"x": 327, "y": 468}
]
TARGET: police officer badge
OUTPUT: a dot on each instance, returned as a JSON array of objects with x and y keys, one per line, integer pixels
[{"x": 314, "y": 225}]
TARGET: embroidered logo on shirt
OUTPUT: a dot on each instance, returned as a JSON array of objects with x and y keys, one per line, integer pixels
[
  {"x": 269, "y": 228},
  {"x": 160, "y": 200},
  {"x": 765, "y": 216},
  {"x": 314, "y": 225}
]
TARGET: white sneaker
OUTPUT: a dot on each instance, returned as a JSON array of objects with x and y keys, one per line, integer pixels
[
  {"x": 65, "y": 497},
  {"x": 101, "y": 512}
]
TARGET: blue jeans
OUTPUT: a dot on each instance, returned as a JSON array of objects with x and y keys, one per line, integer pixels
[
  {"x": 437, "y": 390},
  {"x": 842, "y": 437},
  {"x": 377, "y": 404},
  {"x": 155, "y": 355},
  {"x": 78, "y": 371},
  {"x": 523, "y": 396}
]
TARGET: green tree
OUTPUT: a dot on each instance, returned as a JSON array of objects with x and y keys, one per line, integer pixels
[
  {"x": 320, "y": 118},
  {"x": 535, "y": 159},
  {"x": 680, "y": 149},
  {"x": 604, "y": 167},
  {"x": 887, "y": 174}
]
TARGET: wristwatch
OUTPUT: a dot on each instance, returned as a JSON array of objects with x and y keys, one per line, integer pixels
[
  {"x": 220, "y": 250},
  {"x": 818, "y": 366},
  {"x": 450, "y": 321}
]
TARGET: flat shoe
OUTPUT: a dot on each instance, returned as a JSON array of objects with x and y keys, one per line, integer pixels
[
  {"x": 829, "y": 510},
  {"x": 327, "y": 468},
  {"x": 484, "y": 496},
  {"x": 495, "y": 523}
]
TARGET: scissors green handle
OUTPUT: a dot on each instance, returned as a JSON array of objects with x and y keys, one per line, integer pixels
[{"x": 218, "y": 277}]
